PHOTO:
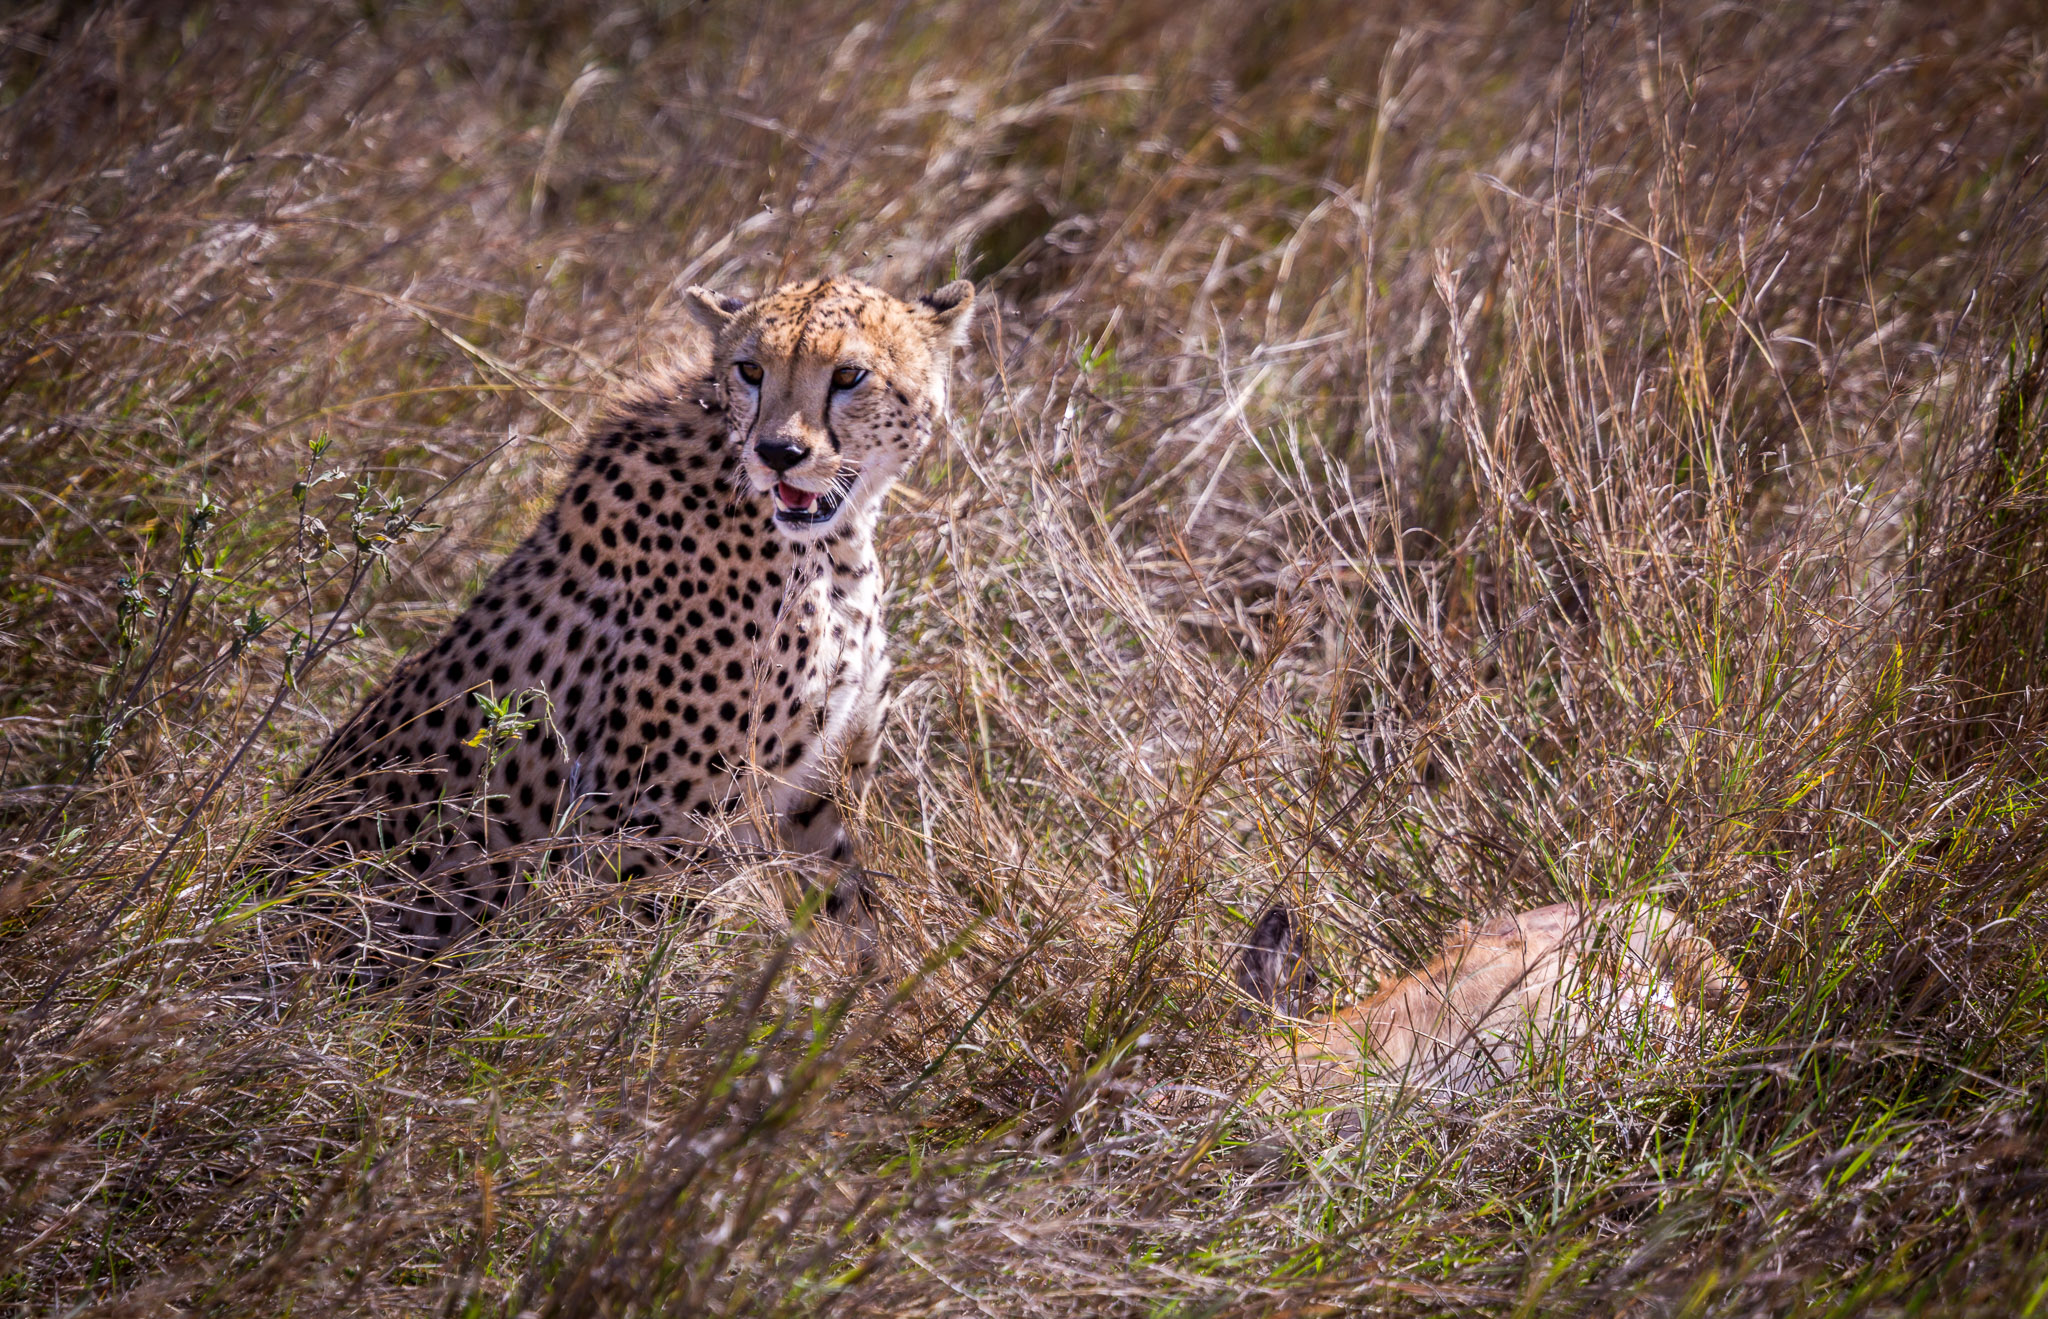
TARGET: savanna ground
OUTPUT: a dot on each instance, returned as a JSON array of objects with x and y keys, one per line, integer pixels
[{"x": 1422, "y": 459}]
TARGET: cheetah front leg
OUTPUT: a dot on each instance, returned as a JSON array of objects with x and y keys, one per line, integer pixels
[{"x": 813, "y": 826}]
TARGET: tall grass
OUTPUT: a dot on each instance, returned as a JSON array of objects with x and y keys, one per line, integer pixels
[{"x": 1419, "y": 459}]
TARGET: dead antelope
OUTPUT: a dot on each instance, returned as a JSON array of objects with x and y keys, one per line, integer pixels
[{"x": 1470, "y": 1018}]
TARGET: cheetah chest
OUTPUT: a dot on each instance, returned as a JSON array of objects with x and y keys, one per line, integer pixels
[
  {"x": 674, "y": 660},
  {"x": 733, "y": 660}
]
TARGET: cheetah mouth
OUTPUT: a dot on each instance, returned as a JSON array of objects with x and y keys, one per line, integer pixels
[{"x": 809, "y": 508}]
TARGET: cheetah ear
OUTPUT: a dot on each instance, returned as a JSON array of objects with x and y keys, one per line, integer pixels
[
  {"x": 950, "y": 310},
  {"x": 714, "y": 311}
]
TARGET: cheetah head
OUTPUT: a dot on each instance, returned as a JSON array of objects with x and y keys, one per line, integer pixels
[{"x": 831, "y": 388}]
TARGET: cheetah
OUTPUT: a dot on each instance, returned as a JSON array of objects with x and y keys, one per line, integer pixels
[{"x": 694, "y": 627}]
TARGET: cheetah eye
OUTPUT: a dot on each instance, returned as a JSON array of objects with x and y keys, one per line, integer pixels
[
  {"x": 846, "y": 377},
  {"x": 749, "y": 372}
]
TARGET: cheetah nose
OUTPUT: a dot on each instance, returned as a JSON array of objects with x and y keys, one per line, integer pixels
[{"x": 781, "y": 455}]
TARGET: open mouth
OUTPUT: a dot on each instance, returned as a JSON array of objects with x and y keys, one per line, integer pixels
[{"x": 808, "y": 508}]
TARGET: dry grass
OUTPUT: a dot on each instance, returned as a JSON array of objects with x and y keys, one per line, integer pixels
[{"x": 1423, "y": 459}]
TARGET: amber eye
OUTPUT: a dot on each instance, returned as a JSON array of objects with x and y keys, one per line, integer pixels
[
  {"x": 846, "y": 377},
  {"x": 749, "y": 372}
]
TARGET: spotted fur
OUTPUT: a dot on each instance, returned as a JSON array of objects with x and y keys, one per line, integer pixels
[{"x": 684, "y": 645}]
